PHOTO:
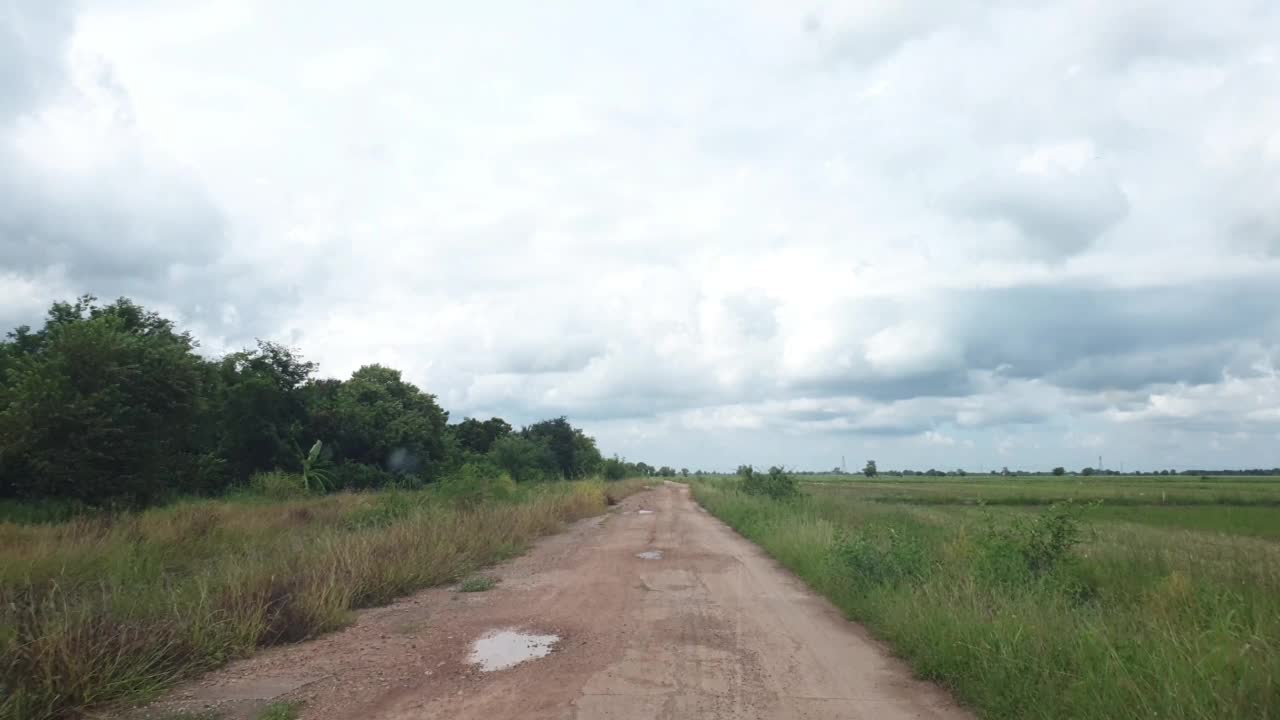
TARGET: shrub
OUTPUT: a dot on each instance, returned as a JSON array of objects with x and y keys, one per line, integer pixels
[
  {"x": 278, "y": 485},
  {"x": 1028, "y": 548},
  {"x": 475, "y": 483},
  {"x": 879, "y": 556},
  {"x": 776, "y": 484}
]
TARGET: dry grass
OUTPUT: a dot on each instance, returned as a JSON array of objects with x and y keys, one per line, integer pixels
[{"x": 105, "y": 610}]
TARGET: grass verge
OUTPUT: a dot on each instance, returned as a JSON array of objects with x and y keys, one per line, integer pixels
[
  {"x": 1038, "y": 615},
  {"x": 100, "y": 609}
]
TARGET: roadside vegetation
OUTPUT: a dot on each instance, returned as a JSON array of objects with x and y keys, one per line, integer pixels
[
  {"x": 102, "y": 609},
  {"x": 162, "y": 512},
  {"x": 1076, "y": 607}
]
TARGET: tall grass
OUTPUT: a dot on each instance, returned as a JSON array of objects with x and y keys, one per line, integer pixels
[
  {"x": 103, "y": 609},
  {"x": 1038, "y": 615}
]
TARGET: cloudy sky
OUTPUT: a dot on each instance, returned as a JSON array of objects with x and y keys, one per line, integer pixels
[{"x": 937, "y": 233}]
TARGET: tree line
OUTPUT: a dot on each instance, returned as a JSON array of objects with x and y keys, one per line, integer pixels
[{"x": 111, "y": 403}]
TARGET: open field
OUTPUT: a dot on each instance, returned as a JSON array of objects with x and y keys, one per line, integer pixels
[
  {"x": 1140, "y": 606},
  {"x": 104, "y": 609}
]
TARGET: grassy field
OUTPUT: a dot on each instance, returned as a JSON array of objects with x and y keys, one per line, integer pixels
[
  {"x": 98, "y": 609},
  {"x": 1132, "y": 607}
]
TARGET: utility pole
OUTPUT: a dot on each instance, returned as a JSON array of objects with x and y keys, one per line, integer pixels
[{"x": 842, "y": 465}]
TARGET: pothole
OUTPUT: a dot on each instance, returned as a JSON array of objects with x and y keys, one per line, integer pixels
[
  {"x": 502, "y": 649},
  {"x": 650, "y": 555}
]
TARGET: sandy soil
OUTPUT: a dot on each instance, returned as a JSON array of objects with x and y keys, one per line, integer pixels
[{"x": 711, "y": 629}]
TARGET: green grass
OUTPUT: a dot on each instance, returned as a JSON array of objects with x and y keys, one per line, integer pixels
[
  {"x": 1135, "y": 620},
  {"x": 1046, "y": 490},
  {"x": 478, "y": 583},
  {"x": 105, "y": 609},
  {"x": 281, "y": 711}
]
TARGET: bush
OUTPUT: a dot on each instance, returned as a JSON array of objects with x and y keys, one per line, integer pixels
[
  {"x": 880, "y": 556},
  {"x": 1029, "y": 548},
  {"x": 278, "y": 485},
  {"x": 776, "y": 484},
  {"x": 475, "y": 483}
]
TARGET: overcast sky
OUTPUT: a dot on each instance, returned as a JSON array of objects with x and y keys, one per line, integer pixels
[{"x": 945, "y": 233}]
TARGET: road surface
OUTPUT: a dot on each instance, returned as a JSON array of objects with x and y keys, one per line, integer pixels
[{"x": 712, "y": 628}]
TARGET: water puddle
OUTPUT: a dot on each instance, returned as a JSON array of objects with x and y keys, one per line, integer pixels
[
  {"x": 502, "y": 649},
  {"x": 650, "y": 555},
  {"x": 644, "y": 512}
]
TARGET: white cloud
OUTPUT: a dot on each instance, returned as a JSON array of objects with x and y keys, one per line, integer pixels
[{"x": 710, "y": 234}]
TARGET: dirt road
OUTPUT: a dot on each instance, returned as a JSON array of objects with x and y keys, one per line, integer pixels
[{"x": 705, "y": 626}]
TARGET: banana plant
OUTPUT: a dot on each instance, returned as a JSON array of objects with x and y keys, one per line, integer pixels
[{"x": 316, "y": 475}]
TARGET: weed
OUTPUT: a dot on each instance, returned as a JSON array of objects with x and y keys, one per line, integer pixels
[
  {"x": 477, "y": 583},
  {"x": 880, "y": 555},
  {"x": 287, "y": 710}
]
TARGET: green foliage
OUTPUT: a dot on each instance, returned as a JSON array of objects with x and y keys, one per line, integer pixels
[
  {"x": 613, "y": 468},
  {"x": 477, "y": 583},
  {"x": 1059, "y": 471},
  {"x": 870, "y": 469},
  {"x": 478, "y": 437},
  {"x": 278, "y": 485},
  {"x": 100, "y": 405},
  {"x": 880, "y": 555},
  {"x": 524, "y": 459},
  {"x": 573, "y": 453},
  {"x": 775, "y": 484},
  {"x": 477, "y": 483},
  {"x": 384, "y": 421},
  {"x": 110, "y": 406},
  {"x": 358, "y": 476},
  {"x": 317, "y": 473},
  {"x": 1029, "y": 547}
]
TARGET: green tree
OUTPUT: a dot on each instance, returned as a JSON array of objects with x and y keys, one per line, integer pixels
[
  {"x": 379, "y": 419},
  {"x": 100, "y": 405},
  {"x": 477, "y": 436},
  {"x": 261, "y": 409},
  {"x": 575, "y": 452},
  {"x": 870, "y": 469},
  {"x": 524, "y": 459},
  {"x": 1059, "y": 471}
]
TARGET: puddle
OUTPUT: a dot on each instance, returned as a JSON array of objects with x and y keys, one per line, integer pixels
[
  {"x": 502, "y": 649},
  {"x": 650, "y": 555},
  {"x": 644, "y": 512}
]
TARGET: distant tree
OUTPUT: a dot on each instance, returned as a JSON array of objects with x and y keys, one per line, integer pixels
[
  {"x": 870, "y": 469},
  {"x": 1087, "y": 471},
  {"x": 1059, "y": 471},
  {"x": 684, "y": 472},
  {"x": 666, "y": 471},
  {"x": 614, "y": 468},
  {"x": 575, "y": 452}
]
